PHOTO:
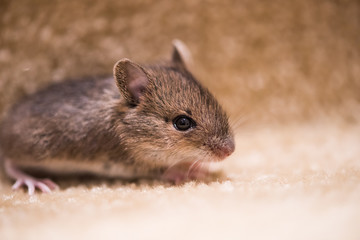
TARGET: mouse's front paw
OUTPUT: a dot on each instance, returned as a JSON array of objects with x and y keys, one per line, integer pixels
[{"x": 186, "y": 172}]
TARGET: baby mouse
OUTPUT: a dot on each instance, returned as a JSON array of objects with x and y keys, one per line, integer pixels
[{"x": 153, "y": 121}]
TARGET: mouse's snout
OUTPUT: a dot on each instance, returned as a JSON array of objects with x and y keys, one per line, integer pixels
[{"x": 224, "y": 149}]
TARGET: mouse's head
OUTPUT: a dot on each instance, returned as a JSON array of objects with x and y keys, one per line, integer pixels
[{"x": 171, "y": 117}]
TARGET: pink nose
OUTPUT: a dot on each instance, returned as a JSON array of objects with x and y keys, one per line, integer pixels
[{"x": 224, "y": 149}]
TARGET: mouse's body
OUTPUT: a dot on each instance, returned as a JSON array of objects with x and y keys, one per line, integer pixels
[
  {"x": 67, "y": 128},
  {"x": 146, "y": 121}
]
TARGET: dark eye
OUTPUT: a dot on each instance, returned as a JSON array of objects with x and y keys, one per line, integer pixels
[{"x": 183, "y": 123}]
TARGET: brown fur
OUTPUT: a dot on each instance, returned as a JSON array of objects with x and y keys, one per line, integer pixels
[{"x": 88, "y": 122}]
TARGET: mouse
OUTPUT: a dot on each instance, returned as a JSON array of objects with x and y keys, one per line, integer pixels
[{"x": 152, "y": 121}]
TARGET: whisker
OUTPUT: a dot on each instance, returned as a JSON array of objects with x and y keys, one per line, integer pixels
[
  {"x": 193, "y": 167},
  {"x": 174, "y": 164},
  {"x": 239, "y": 122}
]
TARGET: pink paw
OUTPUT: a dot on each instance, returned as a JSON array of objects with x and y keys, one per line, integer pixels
[
  {"x": 23, "y": 179},
  {"x": 186, "y": 172},
  {"x": 45, "y": 185}
]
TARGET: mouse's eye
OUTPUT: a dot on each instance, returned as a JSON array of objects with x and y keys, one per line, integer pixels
[{"x": 183, "y": 123}]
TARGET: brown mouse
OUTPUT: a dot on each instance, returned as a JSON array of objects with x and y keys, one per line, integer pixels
[{"x": 153, "y": 121}]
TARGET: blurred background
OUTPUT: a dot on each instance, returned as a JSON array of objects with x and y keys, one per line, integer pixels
[{"x": 267, "y": 62}]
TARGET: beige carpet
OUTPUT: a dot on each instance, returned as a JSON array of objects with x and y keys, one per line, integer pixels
[
  {"x": 293, "y": 182},
  {"x": 287, "y": 72}
]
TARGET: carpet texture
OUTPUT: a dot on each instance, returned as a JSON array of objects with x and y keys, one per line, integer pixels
[{"x": 288, "y": 73}]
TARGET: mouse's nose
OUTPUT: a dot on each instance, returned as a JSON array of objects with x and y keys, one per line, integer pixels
[{"x": 224, "y": 149}]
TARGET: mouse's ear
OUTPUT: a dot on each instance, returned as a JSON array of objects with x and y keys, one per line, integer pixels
[
  {"x": 181, "y": 54},
  {"x": 131, "y": 80}
]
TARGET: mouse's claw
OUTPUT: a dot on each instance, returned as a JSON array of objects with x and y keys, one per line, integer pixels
[
  {"x": 45, "y": 185},
  {"x": 22, "y": 179}
]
